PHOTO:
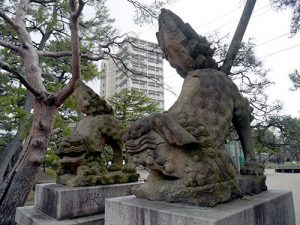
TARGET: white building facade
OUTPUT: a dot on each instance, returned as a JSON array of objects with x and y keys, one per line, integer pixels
[
  {"x": 108, "y": 78},
  {"x": 140, "y": 68}
]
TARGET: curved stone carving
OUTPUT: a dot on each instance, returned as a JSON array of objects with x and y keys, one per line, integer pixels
[
  {"x": 80, "y": 159},
  {"x": 185, "y": 146}
]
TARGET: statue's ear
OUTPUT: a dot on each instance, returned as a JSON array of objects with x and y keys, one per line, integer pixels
[{"x": 173, "y": 133}]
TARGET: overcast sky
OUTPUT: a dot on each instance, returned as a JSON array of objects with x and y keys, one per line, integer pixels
[{"x": 269, "y": 30}]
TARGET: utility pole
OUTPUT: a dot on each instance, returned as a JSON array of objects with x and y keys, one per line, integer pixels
[{"x": 238, "y": 36}]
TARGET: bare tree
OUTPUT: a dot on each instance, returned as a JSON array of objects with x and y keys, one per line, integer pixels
[{"x": 15, "y": 188}]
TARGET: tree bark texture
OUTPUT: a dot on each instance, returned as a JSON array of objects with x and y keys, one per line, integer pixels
[
  {"x": 11, "y": 152},
  {"x": 14, "y": 190}
]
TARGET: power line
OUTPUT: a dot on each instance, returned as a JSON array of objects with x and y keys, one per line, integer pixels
[
  {"x": 257, "y": 15},
  {"x": 273, "y": 39},
  {"x": 260, "y": 44},
  {"x": 262, "y": 7},
  {"x": 235, "y": 20},
  {"x": 279, "y": 51},
  {"x": 219, "y": 17},
  {"x": 227, "y": 13}
]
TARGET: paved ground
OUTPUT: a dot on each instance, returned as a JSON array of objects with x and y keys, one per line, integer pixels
[{"x": 286, "y": 181}]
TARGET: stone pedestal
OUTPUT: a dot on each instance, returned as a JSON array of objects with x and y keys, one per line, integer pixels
[
  {"x": 61, "y": 205},
  {"x": 28, "y": 215},
  {"x": 267, "y": 208}
]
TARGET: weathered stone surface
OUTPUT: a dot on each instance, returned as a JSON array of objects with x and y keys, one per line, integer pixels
[
  {"x": 182, "y": 46},
  {"x": 185, "y": 146},
  {"x": 252, "y": 168},
  {"x": 251, "y": 184},
  {"x": 266, "y": 208},
  {"x": 28, "y": 215},
  {"x": 80, "y": 160},
  {"x": 61, "y": 202},
  {"x": 177, "y": 191}
]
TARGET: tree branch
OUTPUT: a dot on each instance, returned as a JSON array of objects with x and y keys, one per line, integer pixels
[
  {"x": 8, "y": 19},
  {"x": 62, "y": 54},
  {"x": 76, "y": 11},
  {"x": 76, "y": 73},
  {"x": 48, "y": 31},
  {"x": 43, "y": 1},
  {"x": 27, "y": 51},
  {"x": 9, "y": 46},
  {"x": 21, "y": 78}
]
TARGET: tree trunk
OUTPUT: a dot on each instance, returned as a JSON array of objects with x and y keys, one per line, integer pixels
[
  {"x": 12, "y": 150},
  {"x": 238, "y": 36},
  {"x": 14, "y": 190}
]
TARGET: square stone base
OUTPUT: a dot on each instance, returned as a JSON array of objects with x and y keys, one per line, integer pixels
[
  {"x": 62, "y": 202},
  {"x": 267, "y": 208},
  {"x": 29, "y": 216}
]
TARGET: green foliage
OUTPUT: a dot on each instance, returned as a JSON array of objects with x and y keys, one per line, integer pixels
[
  {"x": 51, "y": 172},
  {"x": 12, "y": 96},
  {"x": 290, "y": 132},
  {"x": 49, "y": 22},
  {"x": 58, "y": 71},
  {"x": 278, "y": 136},
  {"x": 131, "y": 105},
  {"x": 249, "y": 75},
  {"x": 264, "y": 141},
  {"x": 294, "y": 5},
  {"x": 295, "y": 78},
  {"x": 51, "y": 160}
]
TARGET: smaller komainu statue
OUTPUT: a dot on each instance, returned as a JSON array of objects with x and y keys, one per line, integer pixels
[
  {"x": 184, "y": 147},
  {"x": 80, "y": 155}
]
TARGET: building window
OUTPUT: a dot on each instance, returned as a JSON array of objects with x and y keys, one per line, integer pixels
[
  {"x": 152, "y": 84},
  {"x": 151, "y": 68}
]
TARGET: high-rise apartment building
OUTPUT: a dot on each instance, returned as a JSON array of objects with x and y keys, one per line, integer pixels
[
  {"x": 108, "y": 78},
  {"x": 145, "y": 60}
]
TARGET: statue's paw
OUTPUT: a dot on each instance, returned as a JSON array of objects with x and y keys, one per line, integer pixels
[
  {"x": 194, "y": 179},
  {"x": 114, "y": 168},
  {"x": 129, "y": 168},
  {"x": 190, "y": 180},
  {"x": 252, "y": 168},
  {"x": 83, "y": 170}
]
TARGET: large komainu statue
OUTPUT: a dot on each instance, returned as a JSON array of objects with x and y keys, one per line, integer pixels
[
  {"x": 80, "y": 155},
  {"x": 185, "y": 146}
]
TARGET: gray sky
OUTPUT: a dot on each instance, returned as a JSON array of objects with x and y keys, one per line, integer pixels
[{"x": 223, "y": 16}]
